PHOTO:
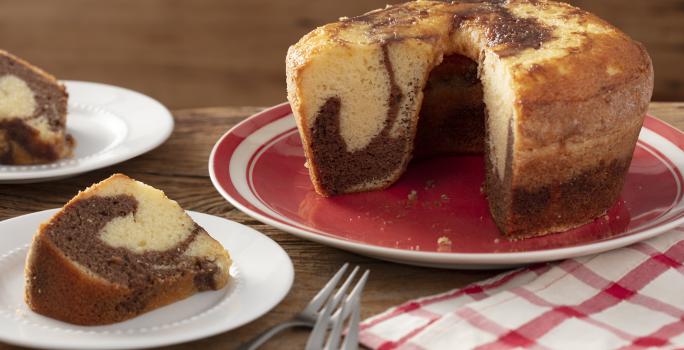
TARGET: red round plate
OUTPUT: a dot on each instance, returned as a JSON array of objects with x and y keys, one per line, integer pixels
[{"x": 259, "y": 167}]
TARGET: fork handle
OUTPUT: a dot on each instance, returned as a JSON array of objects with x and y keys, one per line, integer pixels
[{"x": 264, "y": 336}]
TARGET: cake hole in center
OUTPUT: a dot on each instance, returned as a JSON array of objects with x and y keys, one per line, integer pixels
[{"x": 452, "y": 116}]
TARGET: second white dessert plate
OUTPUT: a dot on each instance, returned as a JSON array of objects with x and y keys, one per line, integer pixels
[
  {"x": 110, "y": 125},
  {"x": 261, "y": 276}
]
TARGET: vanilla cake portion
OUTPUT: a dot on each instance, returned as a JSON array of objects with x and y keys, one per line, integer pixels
[
  {"x": 33, "y": 109},
  {"x": 564, "y": 96},
  {"x": 118, "y": 249}
]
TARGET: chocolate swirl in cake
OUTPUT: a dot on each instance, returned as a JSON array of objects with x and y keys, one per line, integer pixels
[
  {"x": 378, "y": 159},
  {"x": 75, "y": 233},
  {"x": 510, "y": 34},
  {"x": 116, "y": 250},
  {"x": 49, "y": 100},
  {"x": 45, "y": 97},
  {"x": 383, "y": 155}
]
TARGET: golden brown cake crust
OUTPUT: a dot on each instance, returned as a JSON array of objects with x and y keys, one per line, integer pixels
[
  {"x": 66, "y": 293},
  {"x": 579, "y": 89},
  {"x": 43, "y": 74}
]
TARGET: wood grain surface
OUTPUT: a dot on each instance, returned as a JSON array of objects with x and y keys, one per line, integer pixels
[
  {"x": 232, "y": 52},
  {"x": 179, "y": 167}
]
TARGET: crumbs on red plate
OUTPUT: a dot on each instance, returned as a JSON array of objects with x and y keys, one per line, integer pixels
[{"x": 444, "y": 244}]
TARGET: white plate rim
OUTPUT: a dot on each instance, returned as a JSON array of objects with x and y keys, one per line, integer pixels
[
  {"x": 164, "y": 125},
  {"x": 442, "y": 259},
  {"x": 208, "y": 329}
]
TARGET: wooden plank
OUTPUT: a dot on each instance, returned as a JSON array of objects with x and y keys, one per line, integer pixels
[{"x": 231, "y": 52}]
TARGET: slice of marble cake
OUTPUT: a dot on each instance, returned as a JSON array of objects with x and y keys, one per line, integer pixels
[{"x": 119, "y": 249}]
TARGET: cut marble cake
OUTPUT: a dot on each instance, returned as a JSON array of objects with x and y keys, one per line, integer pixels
[
  {"x": 33, "y": 109},
  {"x": 118, "y": 249},
  {"x": 564, "y": 95}
]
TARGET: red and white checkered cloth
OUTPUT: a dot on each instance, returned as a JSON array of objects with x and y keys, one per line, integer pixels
[{"x": 630, "y": 298}]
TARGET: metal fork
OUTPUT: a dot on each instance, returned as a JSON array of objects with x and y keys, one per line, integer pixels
[
  {"x": 350, "y": 305},
  {"x": 310, "y": 315}
]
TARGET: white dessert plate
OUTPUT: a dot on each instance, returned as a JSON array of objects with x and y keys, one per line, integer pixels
[
  {"x": 262, "y": 275},
  {"x": 110, "y": 125},
  {"x": 435, "y": 215}
]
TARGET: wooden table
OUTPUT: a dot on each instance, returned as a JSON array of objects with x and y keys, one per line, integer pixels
[
  {"x": 218, "y": 52},
  {"x": 179, "y": 167}
]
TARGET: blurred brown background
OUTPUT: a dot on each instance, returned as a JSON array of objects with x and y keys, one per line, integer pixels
[{"x": 198, "y": 53}]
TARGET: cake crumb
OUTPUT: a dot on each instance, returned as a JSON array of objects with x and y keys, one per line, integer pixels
[
  {"x": 444, "y": 197},
  {"x": 429, "y": 184},
  {"x": 496, "y": 240},
  {"x": 443, "y": 244},
  {"x": 412, "y": 196},
  {"x": 306, "y": 165}
]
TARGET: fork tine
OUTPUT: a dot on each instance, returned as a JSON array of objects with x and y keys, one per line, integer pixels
[
  {"x": 352, "y": 305},
  {"x": 318, "y": 300},
  {"x": 355, "y": 294},
  {"x": 343, "y": 289},
  {"x": 336, "y": 332},
  {"x": 315, "y": 341},
  {"x": 351, "y": 341}
]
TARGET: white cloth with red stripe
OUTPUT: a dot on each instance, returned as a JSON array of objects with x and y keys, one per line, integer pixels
[{"x": 630, "y": 298}]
